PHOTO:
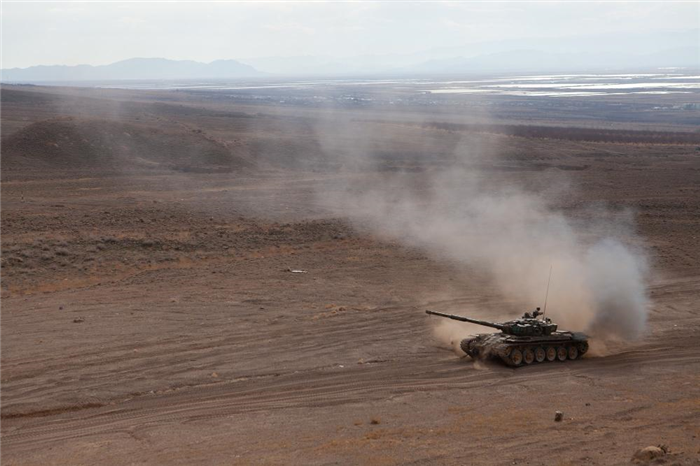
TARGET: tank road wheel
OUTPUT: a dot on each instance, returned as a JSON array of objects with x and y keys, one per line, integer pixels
[
  {"x": 516, "y": 357},
  {"x": 551, "y": 353},
  {"x": 528, "y": 356},
  {"x": 540, "y": 354},
  {"x": 582, "y": 348},
  {"x": 562, "y": 353},
  {"x": 464, "y": 346},
  {"x": 573, "y": 352}
]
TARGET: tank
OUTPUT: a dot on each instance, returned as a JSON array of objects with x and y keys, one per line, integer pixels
[{"x": 524, "y": 341}]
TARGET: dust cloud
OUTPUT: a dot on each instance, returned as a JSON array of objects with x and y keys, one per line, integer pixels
[{"x": 468, "y": 216}]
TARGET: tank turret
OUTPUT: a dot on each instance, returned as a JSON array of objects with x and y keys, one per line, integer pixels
[{"x": 525, "y": 340}]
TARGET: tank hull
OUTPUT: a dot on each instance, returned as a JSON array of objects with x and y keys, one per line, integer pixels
[{"x": 517, "y": 351}]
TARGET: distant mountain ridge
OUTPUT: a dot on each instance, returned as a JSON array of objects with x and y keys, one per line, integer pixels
[
  {"x": 133, "y": 68},
  {"x": 642, "y": 50},
  {"x": 615, "y": 52},
  {"x": 539, "y": 61}
]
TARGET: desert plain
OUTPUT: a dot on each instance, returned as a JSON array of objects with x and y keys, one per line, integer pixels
[{"x": 182, "y": 282}]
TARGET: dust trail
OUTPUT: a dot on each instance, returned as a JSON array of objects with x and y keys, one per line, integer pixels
[{"x": 471, "y": 218}]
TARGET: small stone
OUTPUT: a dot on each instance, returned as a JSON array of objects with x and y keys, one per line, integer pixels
[
  {"x": 78, "y": 320},
  {"x": 215, "y": 375},
  {"x": 648, "y": 454},
  {"x": 558, "y": 416}
]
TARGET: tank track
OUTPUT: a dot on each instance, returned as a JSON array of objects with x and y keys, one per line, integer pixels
[
  {"x": 524, "y": 354},
  {"x": 516, "y": 354}
]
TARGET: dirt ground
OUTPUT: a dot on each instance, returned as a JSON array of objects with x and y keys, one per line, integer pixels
[{"x": 151, "y": 312}]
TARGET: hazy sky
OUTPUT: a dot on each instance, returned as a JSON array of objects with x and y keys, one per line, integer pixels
[{"x": 101, "y": 33}]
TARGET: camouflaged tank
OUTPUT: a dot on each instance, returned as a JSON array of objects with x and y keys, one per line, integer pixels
[{"x": 526, "y": 340}]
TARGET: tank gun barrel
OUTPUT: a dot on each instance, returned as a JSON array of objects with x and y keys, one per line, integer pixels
[{"x": 467, "y": 319}]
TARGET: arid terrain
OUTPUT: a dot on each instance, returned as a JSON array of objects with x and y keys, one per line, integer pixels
[{"x": 181, "y": 283}]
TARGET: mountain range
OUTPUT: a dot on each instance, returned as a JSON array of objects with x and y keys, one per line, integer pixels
[
  {"x": 535, "y": 61},
  {"x": 609, "y": 51},
  {"x": 612, "y": 52},
  {"x": 134, "y": 68}
]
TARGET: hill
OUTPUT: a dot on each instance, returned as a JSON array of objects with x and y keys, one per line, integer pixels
[{"x": 105, "y": 145}]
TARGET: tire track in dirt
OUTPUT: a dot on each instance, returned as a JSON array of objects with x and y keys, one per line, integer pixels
[
  {"x": 318, "y": 387},
  {"x": 314, "y": 390}
]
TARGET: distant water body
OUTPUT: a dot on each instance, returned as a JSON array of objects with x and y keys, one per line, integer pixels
[{"x": 553, "y": 85}]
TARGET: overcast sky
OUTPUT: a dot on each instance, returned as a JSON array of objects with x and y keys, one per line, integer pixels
[{"x": 101, "y": 33}]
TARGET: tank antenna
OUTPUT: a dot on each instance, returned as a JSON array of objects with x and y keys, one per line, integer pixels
[{"x": 546, "y": 295}]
